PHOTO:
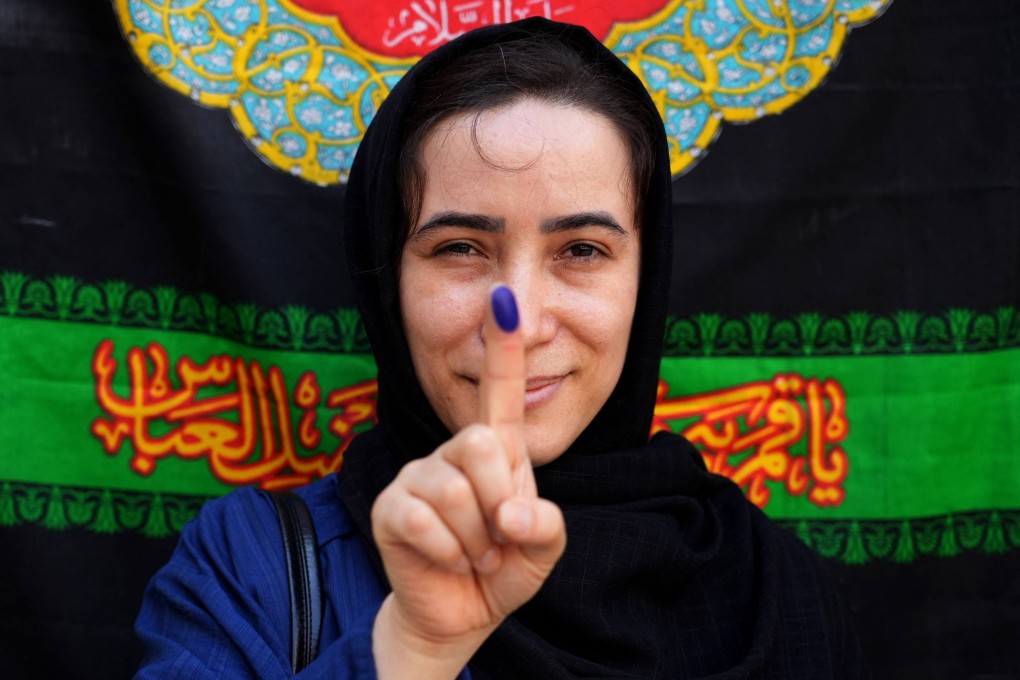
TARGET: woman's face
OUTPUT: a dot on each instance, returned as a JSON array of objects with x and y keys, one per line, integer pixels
[{"x": 547, "y": 209}]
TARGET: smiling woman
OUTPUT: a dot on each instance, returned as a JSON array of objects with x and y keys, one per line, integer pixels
[
  {"x": 508, "y": 230},
  {"x": 548, "y": 210}
]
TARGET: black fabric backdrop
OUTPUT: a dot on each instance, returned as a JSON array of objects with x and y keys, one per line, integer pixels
[{"x": 896, "y": 185}]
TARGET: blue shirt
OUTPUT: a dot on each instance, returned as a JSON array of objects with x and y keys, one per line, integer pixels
[{"x": 220, "y": 607}]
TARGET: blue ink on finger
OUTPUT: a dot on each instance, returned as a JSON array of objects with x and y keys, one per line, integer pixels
[{"x": 504, "y": 308}]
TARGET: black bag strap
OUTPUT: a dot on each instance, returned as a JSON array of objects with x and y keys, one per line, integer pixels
[{"x": 302, "y": 553}]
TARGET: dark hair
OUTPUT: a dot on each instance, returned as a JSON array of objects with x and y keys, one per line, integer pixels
[{"x": 539, "y": 66}]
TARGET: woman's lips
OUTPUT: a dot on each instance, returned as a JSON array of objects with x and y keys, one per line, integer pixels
[
  {"x": 537, "y": 390},
  {"x": 541, "y": 389}
]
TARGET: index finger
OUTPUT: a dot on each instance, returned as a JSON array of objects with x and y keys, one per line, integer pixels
[{"x": 503, "y": 373}]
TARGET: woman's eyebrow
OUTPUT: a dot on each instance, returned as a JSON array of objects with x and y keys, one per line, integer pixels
[
  {"x": 451, "y": 218},
  {"x": 581, "y": 220}
]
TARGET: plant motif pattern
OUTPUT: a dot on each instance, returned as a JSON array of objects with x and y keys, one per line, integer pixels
[
  {"x": 854, "y": 542},
  {"x": 704, "y": 334}
]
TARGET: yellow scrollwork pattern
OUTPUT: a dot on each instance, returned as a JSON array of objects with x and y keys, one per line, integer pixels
[
  {"x": 709, "y": 61},
  {"x": 302, "y": 93},
  {"x": 299, "y": 90}
]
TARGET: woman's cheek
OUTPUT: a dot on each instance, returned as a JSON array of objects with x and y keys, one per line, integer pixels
[
  {"x": 605, "y": 317},
  {"x": 456, "y": 310}
]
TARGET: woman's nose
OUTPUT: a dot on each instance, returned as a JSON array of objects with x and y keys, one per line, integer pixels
[{"x": 535, "y": 304}]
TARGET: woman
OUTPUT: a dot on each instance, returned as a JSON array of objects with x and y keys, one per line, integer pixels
[{"x": 509, "y": 517}]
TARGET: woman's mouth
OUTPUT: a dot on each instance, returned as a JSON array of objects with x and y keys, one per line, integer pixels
[
  {"x": 541, "y": 389},
  {"x": 537, "y": 390}
]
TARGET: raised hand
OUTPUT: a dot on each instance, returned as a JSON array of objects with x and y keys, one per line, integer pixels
[{"x": 464, "y": 537}]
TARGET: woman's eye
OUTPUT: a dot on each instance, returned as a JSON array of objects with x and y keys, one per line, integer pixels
[
  {"x": 583, "y": 251},
  {"x": 456, "y": 249}
]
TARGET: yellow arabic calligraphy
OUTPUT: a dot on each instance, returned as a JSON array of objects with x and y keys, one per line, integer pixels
[
  {"x": 240, "y": 417},
  {"x": 227, "y": 427},
  {"x": 749, "y": 432}
]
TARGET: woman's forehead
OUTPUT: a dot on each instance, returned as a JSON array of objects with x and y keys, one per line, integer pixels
[
  {"x": 562, "y": 149},
  {"x": 532, "y": 122}
]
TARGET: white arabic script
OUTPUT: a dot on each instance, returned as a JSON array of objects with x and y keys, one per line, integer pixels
[{"x": 432, "y": 22}]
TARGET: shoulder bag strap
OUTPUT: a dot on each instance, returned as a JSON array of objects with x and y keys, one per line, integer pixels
[{"x": 302, "y": 553}]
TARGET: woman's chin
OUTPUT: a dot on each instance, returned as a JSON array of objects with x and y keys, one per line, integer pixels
[
  {"x": 548, "y": 440},
  {"x": 555, "y": 415}
]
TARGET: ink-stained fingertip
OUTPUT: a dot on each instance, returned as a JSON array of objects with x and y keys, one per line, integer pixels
[{"x": 504, "y": 309}]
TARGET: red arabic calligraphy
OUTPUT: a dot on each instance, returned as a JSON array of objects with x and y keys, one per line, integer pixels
[
  {"x": 234, "y": 413},
  {"x": 752, "y": 433},
  {"x": 251, "y": 429}
]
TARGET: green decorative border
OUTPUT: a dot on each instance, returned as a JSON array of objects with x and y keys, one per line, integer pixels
[
  {"x": 854, "y": 542},
  {"x": 855, "y": 333},
  {"x": 903, "y": 540},
  {"x": 104, "y": 511},
  {"x": 293, "y": 327},
  {"x": 118, "y": 303}
]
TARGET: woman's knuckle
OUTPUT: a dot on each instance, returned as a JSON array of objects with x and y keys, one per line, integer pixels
[
  {"x": 416, "y": 519},
  {"x": 414, "y": 468},
  {"x": 480, "y": 438},
  {"x": 456, "y": 492},
  {"x": 381, "y": 505},
  {"x": 449, "y": 554}
]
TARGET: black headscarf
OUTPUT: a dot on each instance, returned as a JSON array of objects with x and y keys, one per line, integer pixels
[{"x": 668, "y": 571}]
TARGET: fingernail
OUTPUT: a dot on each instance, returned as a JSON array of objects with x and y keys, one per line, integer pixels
[
  {"x": 504, "y": 308},
  {"x": 516, "y": 518},
  {"x": 487, "y": 561}
]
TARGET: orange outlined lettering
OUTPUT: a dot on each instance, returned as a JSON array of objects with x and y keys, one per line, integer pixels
[
  {"x": 232, "y": 412},
  {"x": 786, "y": 430},
  {"x": 241, "y": 417}
]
